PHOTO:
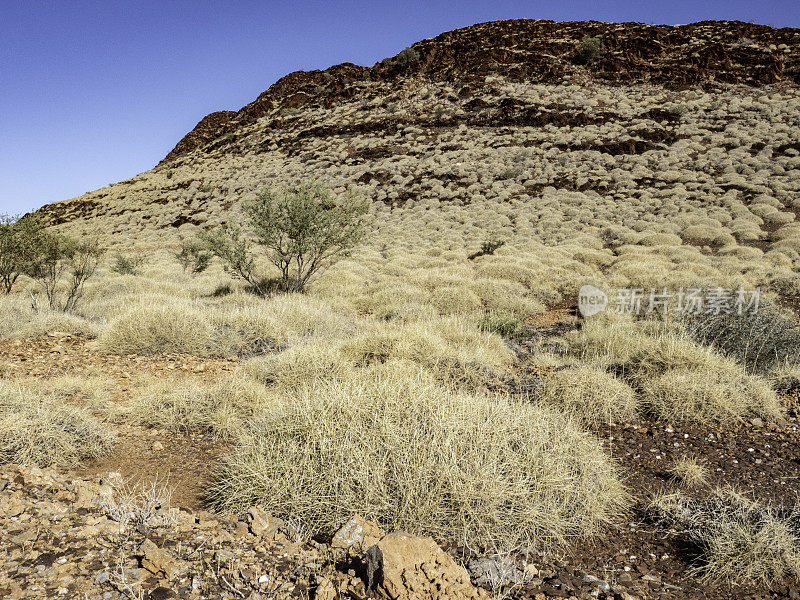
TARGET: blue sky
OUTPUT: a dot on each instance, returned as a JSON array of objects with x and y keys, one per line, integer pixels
[{"x": 95, "y": 92}]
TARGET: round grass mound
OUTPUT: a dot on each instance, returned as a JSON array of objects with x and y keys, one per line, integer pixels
[
  {"x": 389, "y": 444},
  {"x": 39, "y": 429},
  {"x": 591, "y": 394},
  {"x": 146, "y": 330},
  {"x": 709, "y": 397}
]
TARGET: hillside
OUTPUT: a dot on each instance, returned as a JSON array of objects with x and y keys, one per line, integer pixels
[
  {"x": 177, "y": 435},
  {"x": 499, "y": 110}
]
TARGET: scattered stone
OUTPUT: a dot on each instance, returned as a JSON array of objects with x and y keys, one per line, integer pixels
[
  {"x": 157, "y": 561},
  {"x": 262, "y": 523},
  {"x": 492, "y": 574},
  {"x": 358, "y": 534}
]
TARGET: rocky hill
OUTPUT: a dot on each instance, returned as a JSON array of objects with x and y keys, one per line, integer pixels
[
  {"x": 704, "y": 54},
  {"x": 498, "y": 110}
]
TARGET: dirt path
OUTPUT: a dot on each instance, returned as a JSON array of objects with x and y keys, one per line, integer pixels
[{"x": 186, "y": 461}]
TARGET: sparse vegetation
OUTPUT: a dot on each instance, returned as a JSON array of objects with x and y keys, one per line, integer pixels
[{"x": 386, "y": 388}]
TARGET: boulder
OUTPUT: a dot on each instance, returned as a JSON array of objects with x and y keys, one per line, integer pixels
[{"x": 415, "y": 568}]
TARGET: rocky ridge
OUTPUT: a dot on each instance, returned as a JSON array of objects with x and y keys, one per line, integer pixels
[
  {"x": 501, "y": 110},
  {"x": 703, "y": 53}
]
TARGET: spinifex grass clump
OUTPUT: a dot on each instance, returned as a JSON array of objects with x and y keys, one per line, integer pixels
[
  {"x": 37, "y": 428},
  {"x": 390, "y": 444},
  {"x": 743, "y": 541},
  {"x": 591, "y": 394},
  {"x": 676, "y": 377},
  {"x": 760, "y": 341}
]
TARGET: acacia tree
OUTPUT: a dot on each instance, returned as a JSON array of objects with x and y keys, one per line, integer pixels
[
  {"x": 19, "y": 239},
  {"x": 302, "y": 230},
  {"x": 56, "y": 256}
]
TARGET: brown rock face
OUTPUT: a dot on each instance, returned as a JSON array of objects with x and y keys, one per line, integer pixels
[
  {"x": 415, "y": 568},
  {"x": 209, "y": 128},
  {"x": 703, "y": 53}
]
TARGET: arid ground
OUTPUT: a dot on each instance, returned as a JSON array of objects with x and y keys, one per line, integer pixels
[{"x": 176, "y": 435}]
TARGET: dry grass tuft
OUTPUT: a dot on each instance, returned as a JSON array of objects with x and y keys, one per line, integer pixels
[
  {"x": 709, "y": 396},
  {"x": 677, "y": 378},
  {"x": 391, "y": 445},
  {"x": 302, "y": 364},
  {"x": 172, "y": 328},
  {"x": 743, "y": 542},
  {"x": 221, "y": 410},
  {"x": 38, "y": 428},
  {"x": 590, "y": 394},
  {"x": 689, "y": 471}
]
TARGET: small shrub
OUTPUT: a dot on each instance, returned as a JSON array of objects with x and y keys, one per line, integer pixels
[
  {"x": 18, "y": 244},
  {"x": 143, "y": 505},
  {"x": 57, "y": 257},
  {"x": 127, "y": 265},
  {"x": 487, "y": 248},
  {"x": 37, "y": 428},
  {"x": 404, "y": 58},
  {"x": 759, "y": 341},
  {"x": 193, "y": 257},
  {"x": 591, "y": 394},
  {"x": 460, "y": 468},
  {"x": 590, "y": 50},
  {"x": 302, "y": 230},
  {"x": 742, "y": 541}
]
